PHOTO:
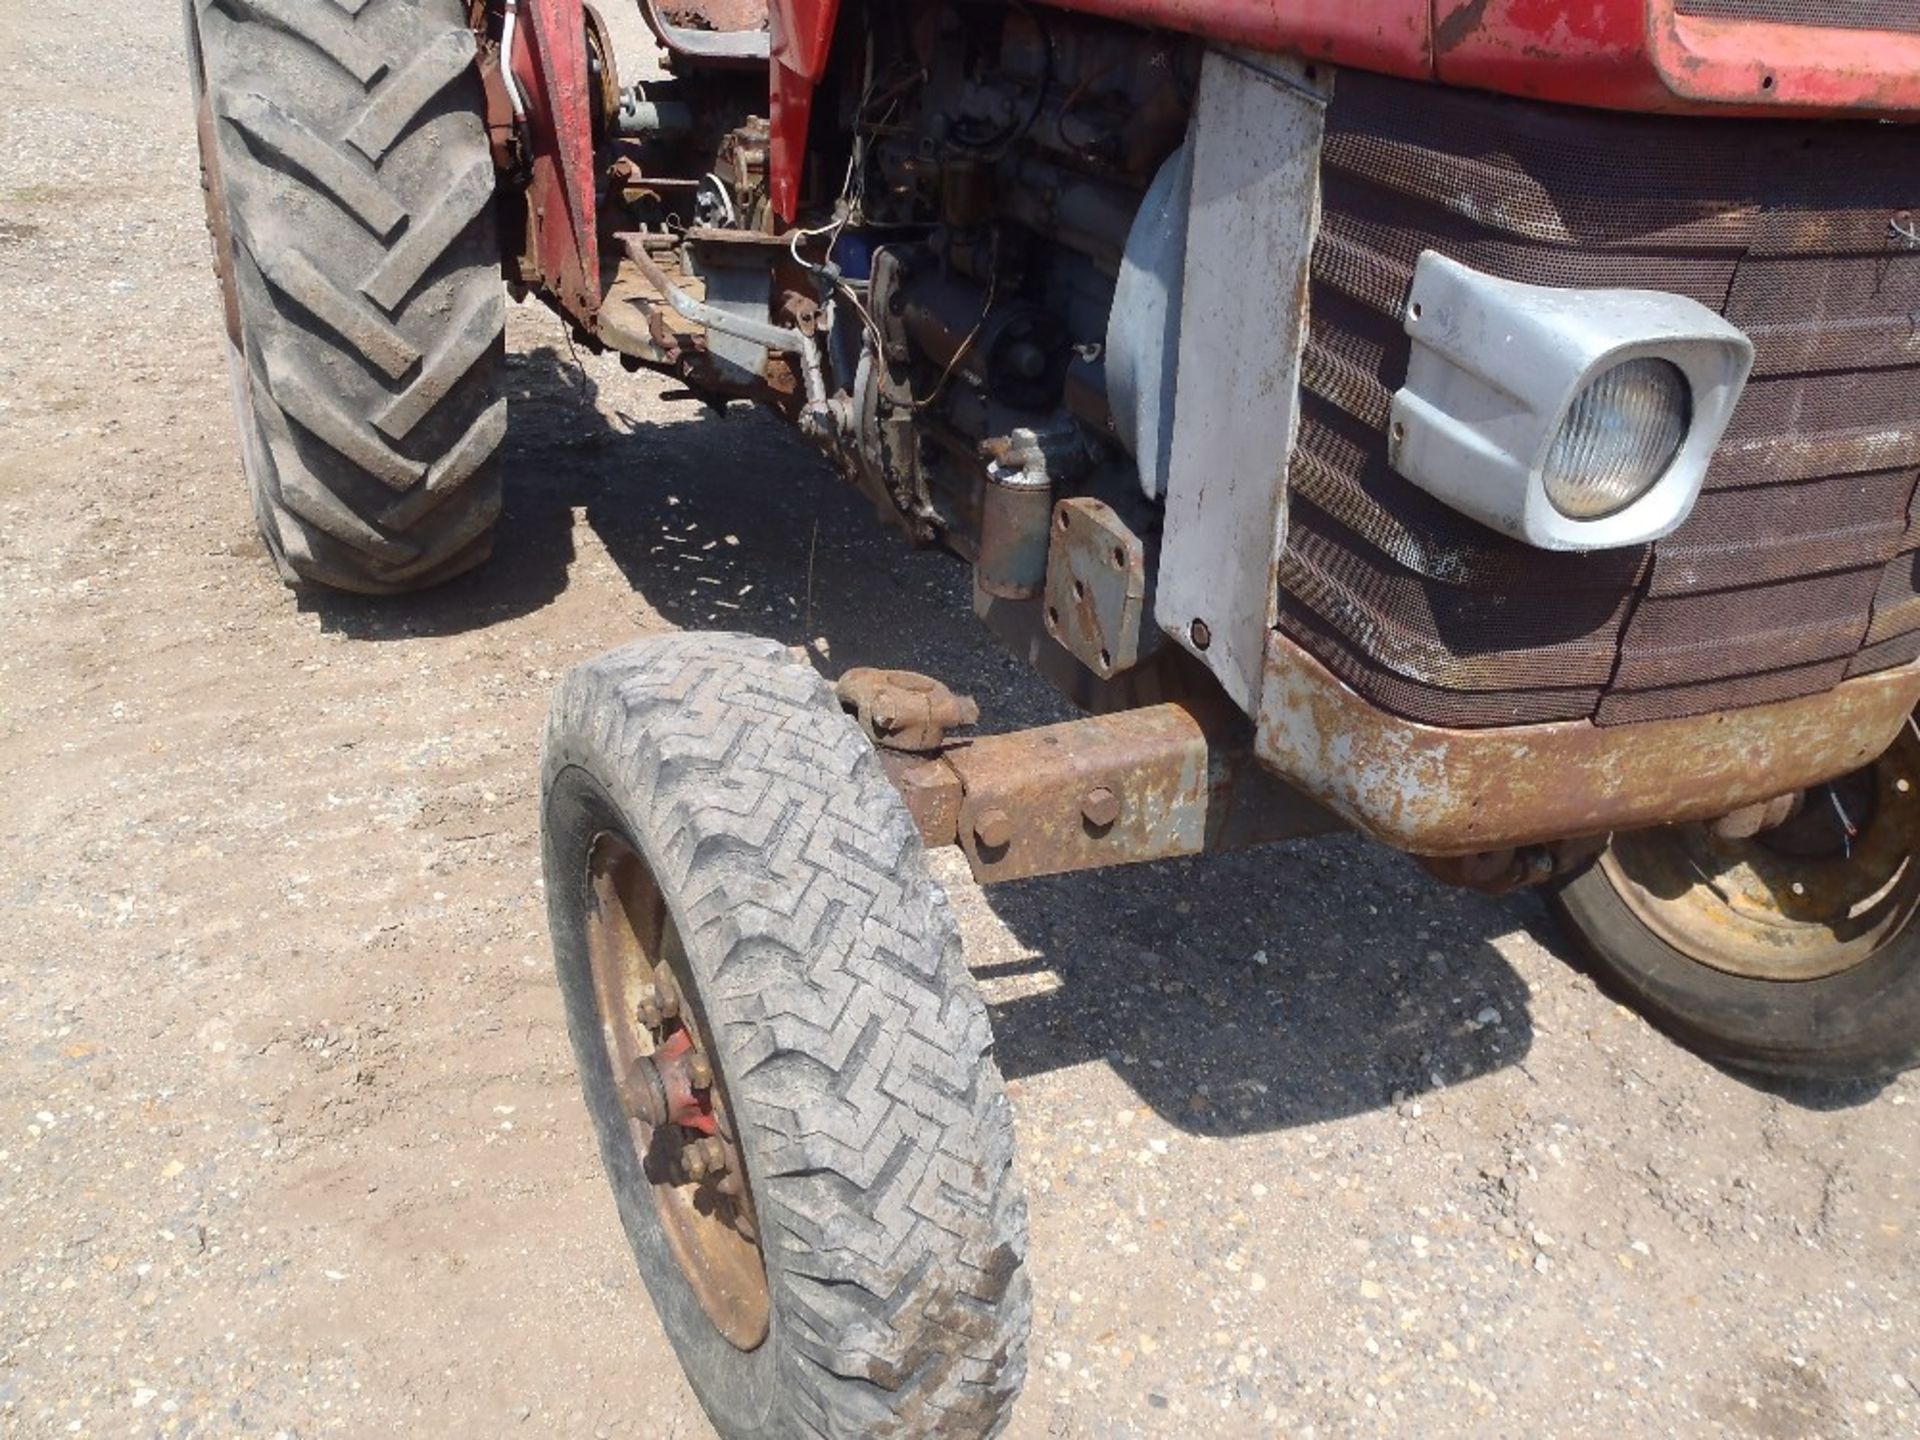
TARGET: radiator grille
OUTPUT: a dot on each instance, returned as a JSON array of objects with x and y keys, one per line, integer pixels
[
  {"x": 1797, "y": 569},
  {"x": 1897, "y": 15}
]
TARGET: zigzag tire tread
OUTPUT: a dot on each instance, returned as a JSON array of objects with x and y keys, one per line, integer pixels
[
  {"x": 353, "y": 158},
  {"x": 857, "y": 1048}
]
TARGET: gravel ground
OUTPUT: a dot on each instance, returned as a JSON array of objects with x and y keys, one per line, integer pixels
[{"x": 289, "y": 1139}]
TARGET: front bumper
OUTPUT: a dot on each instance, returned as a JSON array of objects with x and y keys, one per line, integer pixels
[{"x": 1435, "y": 791}]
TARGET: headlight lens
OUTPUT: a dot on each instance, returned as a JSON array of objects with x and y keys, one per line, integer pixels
[{"x": 1622, "y": 433}]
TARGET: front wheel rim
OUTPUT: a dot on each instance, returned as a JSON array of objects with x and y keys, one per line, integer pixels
[
  {"x": 652, "y": 1026},
  {"x": 1767, "y": 909}
]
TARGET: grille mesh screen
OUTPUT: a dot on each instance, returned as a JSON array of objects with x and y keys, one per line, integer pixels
[
  {"x": 1797, "y": 568},
  {"x": 1898, "y": 15}
]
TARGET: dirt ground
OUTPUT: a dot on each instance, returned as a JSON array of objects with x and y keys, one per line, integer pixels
[{"x": 289, "y": 1138}]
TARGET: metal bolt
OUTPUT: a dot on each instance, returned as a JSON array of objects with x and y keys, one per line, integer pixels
[
  {"x": 693, "y": 1164},
  {"x": 714, "y": 1151},
  {"x": 993, "y": 830},
  {"x": 666, "y": 993},
  {"x": 643, "y": 1094},
  {"x": 1100, "y": 808},
  {"x": 700, "y": 1072},
  {"x": 1202, "y": 635}
]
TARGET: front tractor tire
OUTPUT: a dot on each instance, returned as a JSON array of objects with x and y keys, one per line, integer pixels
[
  {"x": 349, "y": 189},
  {"x": 1794, "y": 952},
  {"x": 788, "y": 1065}
]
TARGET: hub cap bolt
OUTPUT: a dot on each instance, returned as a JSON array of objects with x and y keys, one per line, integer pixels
[{"x": 700, "y": 1071}]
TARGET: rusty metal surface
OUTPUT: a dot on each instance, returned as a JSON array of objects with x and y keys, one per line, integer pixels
[
  {"x": 603, "y": 75},
  {"x": 1501, "y": 872},
  {"x": 1147, "y": 784},
  {"x": 1097, "y": 587},
  {"x": 1824, "y": 892},
  {"x": 550, "y": 62},
  {"x": 1452, "y": 792},
  {"x": 637, "y": 320},
  {"x": 902, "y": 709},
  {"x": 684, "y": 1134}
]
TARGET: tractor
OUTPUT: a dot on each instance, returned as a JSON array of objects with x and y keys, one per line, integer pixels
[{"x": 1489, "y": 426}]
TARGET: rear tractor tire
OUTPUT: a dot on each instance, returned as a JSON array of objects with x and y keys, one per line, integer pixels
[
  {"x": 1795, "y": 952},
  {"x": 788, "y": 1066},
  {"x": 349, "y": 189}
]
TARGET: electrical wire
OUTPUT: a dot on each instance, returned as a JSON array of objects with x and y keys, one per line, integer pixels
[{"x": 993, "y": 286}]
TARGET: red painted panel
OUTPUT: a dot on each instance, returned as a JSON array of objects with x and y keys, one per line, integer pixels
[
  {"x": 1391, "y": 36},
  {"x": 1615, "y": 54},
  {"x": 1640, "y": 55},
  {"x": 800, "y": 33},
  {"x": 1829, "y": 70},
  {"x": 1385, "y": 35},
  {"x": 550, "y": 61}
]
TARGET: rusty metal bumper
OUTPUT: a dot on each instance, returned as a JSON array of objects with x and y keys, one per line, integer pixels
[{"x": 1456, "y": 792}]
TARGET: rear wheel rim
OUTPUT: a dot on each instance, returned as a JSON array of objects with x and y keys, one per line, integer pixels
[
  {"x": 634, "y": 950},
  {"x": 1801, "y": 903}
]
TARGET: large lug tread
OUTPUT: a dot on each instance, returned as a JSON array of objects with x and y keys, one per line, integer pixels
[{"x": 353, "y": 158}]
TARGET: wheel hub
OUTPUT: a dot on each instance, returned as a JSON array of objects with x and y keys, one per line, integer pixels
[
  {"x": 683, "y": 1134},
  {"x": 1814, "y": 896}
]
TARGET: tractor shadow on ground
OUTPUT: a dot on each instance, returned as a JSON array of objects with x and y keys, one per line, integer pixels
[{"x": 1236, "y": 995}]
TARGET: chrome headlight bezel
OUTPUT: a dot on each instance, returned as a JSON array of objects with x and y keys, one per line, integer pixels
[{"x": 1497, "y": 366}]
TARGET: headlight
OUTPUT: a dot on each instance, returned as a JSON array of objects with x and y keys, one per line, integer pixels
[
  {"x": 1622, "y": 433},
  {"x": 1570, "y": 419}
]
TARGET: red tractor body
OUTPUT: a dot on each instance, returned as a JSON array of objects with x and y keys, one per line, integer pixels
[
  {"x": 1707, "y": 57},
  {"x": 1492, "y": 426}
]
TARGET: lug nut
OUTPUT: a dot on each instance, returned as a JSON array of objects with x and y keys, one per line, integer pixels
[
  {"x": 700, "y": 1072},
  {"x": 1100, "y": 808},
  {"x": 643, "y": 1095},
  {"x": 714, "y": 1151},
  {"x": 693, "y": 1164},
  {"x": 666, "y": 993},
  {"x": 993, "y": 830}
]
